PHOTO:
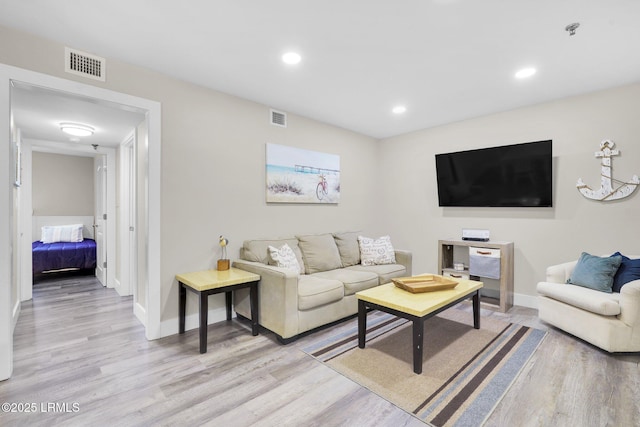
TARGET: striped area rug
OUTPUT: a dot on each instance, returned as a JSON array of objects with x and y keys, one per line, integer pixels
[{"x": 465, "y": 371}]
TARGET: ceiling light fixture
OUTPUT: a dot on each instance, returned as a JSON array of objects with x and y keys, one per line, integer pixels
[
  {"x": 291, "y": 58},
  {"x": 76, "y": 129},
  {"x": 399, "y": 109},
  {"x": 525, "y": 72}
]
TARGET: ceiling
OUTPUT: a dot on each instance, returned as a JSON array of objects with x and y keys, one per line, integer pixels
[
  {"x": 38, "y": 113},
  {"x": 445, "y": 60}
]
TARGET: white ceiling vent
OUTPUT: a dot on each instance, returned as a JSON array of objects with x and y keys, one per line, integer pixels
[
  {"x": 84, "y": 64},
  {"x": 278, "y": 118}
]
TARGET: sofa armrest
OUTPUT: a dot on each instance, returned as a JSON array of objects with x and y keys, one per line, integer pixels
[
  {"x": 560, "y": 273},
  {"x": 405, "y": 258},
  {"x": 630, "y": 304},
  {"x": 278, "y": 297}
]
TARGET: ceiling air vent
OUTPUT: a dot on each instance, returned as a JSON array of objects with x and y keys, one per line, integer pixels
[
  {"x": 278, "y": 118},
  {"x": 84, "y": 64}
]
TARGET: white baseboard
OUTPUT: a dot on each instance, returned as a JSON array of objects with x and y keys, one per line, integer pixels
[
  {"x": 15, "y": 314},
  {"x": 140, "y": 313},
  {"x": 192, "y": 321},
  {"x": 525, "y": 300}
]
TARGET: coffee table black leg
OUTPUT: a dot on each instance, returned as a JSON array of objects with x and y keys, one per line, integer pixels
[
  {"x": 476, "y": 309},
  {"x": 182, "y": 291},
  {"x": 204, "y": 317},
  {"x": 362, "y": 323},
  {"x": 418, "y": 333},
  {"x": 255, "y": 314}
]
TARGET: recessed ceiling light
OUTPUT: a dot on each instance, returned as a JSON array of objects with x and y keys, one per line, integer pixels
[
  {"x": 76, "y": 129},
  {"x": 399, "y": 109},
  {"x": 525, "y": 72},
  {"x": 291, "y": 58}
]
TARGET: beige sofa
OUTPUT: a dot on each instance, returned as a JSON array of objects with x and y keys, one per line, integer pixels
[
  {"x": 323, "y": 292},
  {"x": 610, "y": 321}
]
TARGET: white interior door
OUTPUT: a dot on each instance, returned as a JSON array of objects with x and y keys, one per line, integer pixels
[
  {"x": 100, "y": 223},
  {"x": 133, "y": 272},
  {"x": 128, "y": 272}
]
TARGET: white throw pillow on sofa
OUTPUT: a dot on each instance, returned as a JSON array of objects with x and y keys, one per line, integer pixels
[
  {"x": 376, "y": 251},
  {"x": 285, "y": 258}
]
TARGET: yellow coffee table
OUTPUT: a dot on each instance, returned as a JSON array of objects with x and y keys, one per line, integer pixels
[
  {"x": 205, "y": 283},
  {"x": 416, "y": 307}
]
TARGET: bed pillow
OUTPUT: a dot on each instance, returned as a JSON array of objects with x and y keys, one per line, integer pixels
[
  {"x": 376, "y": 251},
  {"x": 595, "y": 272},
  {"x": 62, "y": 233},
  {"x": 628, "y": 272}
]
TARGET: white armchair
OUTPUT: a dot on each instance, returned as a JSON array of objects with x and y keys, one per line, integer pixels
[{"x": 609, "y": 321}]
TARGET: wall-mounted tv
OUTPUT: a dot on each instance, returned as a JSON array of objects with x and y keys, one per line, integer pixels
[{"x": 518, "y": 175}]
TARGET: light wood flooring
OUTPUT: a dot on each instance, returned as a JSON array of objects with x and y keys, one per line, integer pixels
[{"x": 78, "y": 347}]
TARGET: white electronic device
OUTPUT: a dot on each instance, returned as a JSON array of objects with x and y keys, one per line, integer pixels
[{"x": 475, "y": 235}]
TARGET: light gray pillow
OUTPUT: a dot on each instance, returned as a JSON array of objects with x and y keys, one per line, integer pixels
[
  {"x": 319, "y": 253},
  {"x": 348, "y": 247}
]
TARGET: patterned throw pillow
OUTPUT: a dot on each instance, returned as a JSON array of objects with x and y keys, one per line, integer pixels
[
  {"x": 285, "y": 258},
  {"x": 376, "y": 251}
]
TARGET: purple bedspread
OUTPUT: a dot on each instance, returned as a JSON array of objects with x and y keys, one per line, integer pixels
[{"x": 56, "y": 256}]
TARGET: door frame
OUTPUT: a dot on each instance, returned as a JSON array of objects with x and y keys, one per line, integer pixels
[{"x": 152, "y": 109}]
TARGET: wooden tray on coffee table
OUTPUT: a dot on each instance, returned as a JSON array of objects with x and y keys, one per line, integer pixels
[{"x": 424, "y": 283}]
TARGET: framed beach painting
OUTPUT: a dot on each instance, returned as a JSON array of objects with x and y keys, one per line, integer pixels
[{"x": 295, "y": 175}]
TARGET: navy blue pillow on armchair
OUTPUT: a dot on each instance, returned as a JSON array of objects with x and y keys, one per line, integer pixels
[
  {"x": 595, "y": 272},
  {"x": 628, "y": 271}
]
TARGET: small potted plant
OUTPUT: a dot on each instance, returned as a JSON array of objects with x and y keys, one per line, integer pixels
[{"x": 223, "y": 263}]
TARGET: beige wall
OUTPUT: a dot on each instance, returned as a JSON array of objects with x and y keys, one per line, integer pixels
[
  {"x": 62, "y": 185},
  {"x": 213, "y": 165},
  {"x": 542, "y": 236}
]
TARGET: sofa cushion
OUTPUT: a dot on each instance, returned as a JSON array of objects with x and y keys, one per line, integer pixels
[
  {"x": 348, "y": 247},
  {"x": 376, "y": 251},
  {"x": 385, "y": 272},
  {"x": 581, "y": 297},
  {"x": 258, "y": 250},
  {"x": 353, "y": 280},
  {"x": 315, "y": 291},
  {"x": 595, "y": 272},
  {"x": 284, "y": 257},
  {"x": 628, "y": 271},
  {"x": 319, "y": 252}
]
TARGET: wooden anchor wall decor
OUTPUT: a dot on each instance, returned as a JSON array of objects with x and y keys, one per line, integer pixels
[{"x": 607, "y": 192}]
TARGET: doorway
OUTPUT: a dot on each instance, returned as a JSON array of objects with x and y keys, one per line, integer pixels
[{"x": 10, "y": 288}]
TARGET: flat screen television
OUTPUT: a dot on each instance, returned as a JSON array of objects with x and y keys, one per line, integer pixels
[{"x": 518, "y": 175}]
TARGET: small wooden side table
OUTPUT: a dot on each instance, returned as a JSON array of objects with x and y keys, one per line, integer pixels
[{"x": 208, "y": 282}]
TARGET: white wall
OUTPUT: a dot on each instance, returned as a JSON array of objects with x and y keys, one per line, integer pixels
[
  {"x": 213, "y": 167},
  {"x": 62, "y": 184},
  {"x": 213, "y": 177},
  {"x": 542, "y": 236}
]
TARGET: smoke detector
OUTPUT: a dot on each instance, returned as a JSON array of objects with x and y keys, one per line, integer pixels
[{"x": 572, "y": 28}]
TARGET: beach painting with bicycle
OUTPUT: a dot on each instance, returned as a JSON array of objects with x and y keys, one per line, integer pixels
[{"x": 296, "y": 175}]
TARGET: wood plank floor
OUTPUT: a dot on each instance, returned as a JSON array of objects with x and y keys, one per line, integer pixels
[{"x": 77, "y": 345}]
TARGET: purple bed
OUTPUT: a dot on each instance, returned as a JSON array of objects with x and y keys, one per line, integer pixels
[{"x": 63, "y": 255}]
